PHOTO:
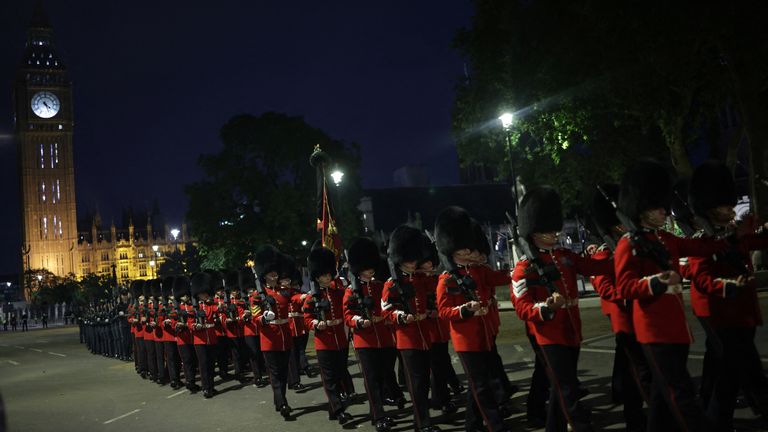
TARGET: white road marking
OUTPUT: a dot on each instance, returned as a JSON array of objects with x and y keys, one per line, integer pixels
[
  {"x": 597, "y": 338},
  {"x": 519, "y": 348},
  {"x": 35, "y": 350},
  {"x": 57, "y": 354},
  {"x": 19, "y": 347},
  {"x": 176, "y": 394},
  {"x": 527, "y": 359},
  {"x": 13, "y": 362},
  {"x": 122, "y": 416}
]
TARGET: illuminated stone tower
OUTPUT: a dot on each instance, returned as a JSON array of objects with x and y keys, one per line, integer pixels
[{"x": 44, "y": 123}]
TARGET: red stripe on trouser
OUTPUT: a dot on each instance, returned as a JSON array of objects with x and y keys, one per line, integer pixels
[
  {"x": 474, "y": 393},
  {"x": 555, "y": 382},
  {"x": 675, "y": 410}
]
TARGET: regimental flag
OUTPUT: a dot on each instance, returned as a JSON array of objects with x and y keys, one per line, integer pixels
[{"x": 326, "y": 221}]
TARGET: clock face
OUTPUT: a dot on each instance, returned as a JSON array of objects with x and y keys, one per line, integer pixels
[{"x": 45, "y": 104}]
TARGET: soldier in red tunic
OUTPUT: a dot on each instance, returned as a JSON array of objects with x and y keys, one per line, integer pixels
[
  {"x": 250, "y": 329},
  {"x": 203, "y": 332},
  {"x": 646, "y": 261},
  {"x": 372, "y": 339},
  {"x": 150, "y": 322},
  {"x": 724, "y": 296},
  {"x": 159, "y": 332},
  {"x": 631, "y": 373},
  {"x": 181, "y": 319},
  {"x": 274, "y": 325},
  {"x": 405, "y": 302},
  {"x": 290, "y": 278},
  {"x": 137, "y": 321},
  {"x": 222, "y": 347},
  {"x": 546, "y": 296},
  {"x": 464, "y": 302},
  {"x": 324, "y": 315},
  {"x": 170, "y": 349},
  {"x": 233, "y": 323}
]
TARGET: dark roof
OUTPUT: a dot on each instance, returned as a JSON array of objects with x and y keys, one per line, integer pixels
[{"x": 487, "y": 203}]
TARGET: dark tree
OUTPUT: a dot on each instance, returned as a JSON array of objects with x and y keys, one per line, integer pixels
[{"x": 260, "y": 189}]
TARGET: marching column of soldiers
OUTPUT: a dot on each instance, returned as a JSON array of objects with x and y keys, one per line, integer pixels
[{"x": 436, "y": 287}]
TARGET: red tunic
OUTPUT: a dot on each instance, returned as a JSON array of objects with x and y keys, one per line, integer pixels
[
  {"x": 657, "y": 318},
  {"x": 529, "y": 295},
  {"x": 492, "y": 278},
  {"x": 249, "y": 324},
  {"x": 221, "y": 309},
  {"x": 439, "y": 329},
  {"x": 276, "y": 334},
  {"x": 183, "y": 333},
  {"x": 333, "y": 337},
  {"x": 413, "y": 335},
  {"x": 149, "y": 326},
  {"x": 130, "y": 312},
  {"x": 612, "y": 305},
  {"x": 230, "y": 320},
  {"x": 296, "y": 315},
  {"x": 708, "y": 278},
  {"x": 204, "y": 336},
  {"x": 471, "y": 333},
  {"x": 168, "y": 332},
  {"x": 379, "y": 334}
]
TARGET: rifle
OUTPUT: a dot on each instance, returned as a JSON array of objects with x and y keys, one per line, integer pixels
[
  {"x": 547, "y": 273},
  {"x": 653, "y": 250},
  {"x": 320, "y": 305},
  {"x": 405, "y": 292},
  {"x": 607, "y": 238},
  {"x": 362, "y": 303},
  {"x": 266, "y": 300}
]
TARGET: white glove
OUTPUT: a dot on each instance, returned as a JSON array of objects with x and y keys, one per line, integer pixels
[{"x": 268, "y": 315}]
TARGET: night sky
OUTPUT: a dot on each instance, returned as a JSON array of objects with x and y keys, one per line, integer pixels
[{"x": 154, "y": 82}]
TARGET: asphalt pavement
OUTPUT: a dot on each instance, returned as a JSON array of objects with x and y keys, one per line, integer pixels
[{"x": 49, "y": 381}]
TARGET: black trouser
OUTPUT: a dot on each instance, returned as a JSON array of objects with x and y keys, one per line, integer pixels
[
  {"x": 294, "y": 361},
  {"x": 536, "y": 402},
  {"x": 189, "y": 361},
  {"x": 255, "y": 357},
  {"x": 713, "y": 357},
  {"x": 439, "y": 362},
  {"x": 416, "y": 365},
  {"x": 673, "y": 405},
  {"x": 373, "y": 365},
  {"x": 503, "y": 388},
  {"x": 564, "y": 408},
  {"x": 172, "y": 360},
  {"x": 222, "y": 356},
  {"x": 205, "y": 358},
  {"x": 332, "y": 365},
  {"x": 391, "y": 386},
  {"x": 237, "y": 350},
  {"x": 151, "y": 361},
  {"x": 481, "y": 398},
  {"x": 634, "y": 378},
  {"x": 740, "y": 368},
  {"x": 141, "y": 348},
  {"x": 162, "y": 370},
  {"x": 347, "y": 386},
  {"x": 277, "y": 365}
]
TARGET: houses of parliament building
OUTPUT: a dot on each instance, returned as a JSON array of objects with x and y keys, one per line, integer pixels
[{"x": 51, "y": 240}]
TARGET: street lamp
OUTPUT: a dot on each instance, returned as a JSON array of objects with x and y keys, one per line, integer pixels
[
  {"x": 303, "y": 243},
  {"x": 153, "y": 261},
  {"x": 507, "y": 119},
  {"x": 175, "y": 233},
  {"x": 337, "y": 176}
]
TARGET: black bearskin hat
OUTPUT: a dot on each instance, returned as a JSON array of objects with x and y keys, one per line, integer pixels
[
  {"x": 146, "y": 289},
  {"x": 156, "y": 288},
  {"x": 711, "y": 186},
  {"x": 137, "y": 288},
  {"x": 166, "y": 286},
  {"x": 232, "y": 280},
  {"x": 287, "y": 266},
  {"x": 645, "y": 186},
  {"x": 453, "y": 231},
  {"x": 321, "y": 261},
  {"x": 540, "y": 212},
  {"x": 200, "y": 283},
  {"x": 428, "y": 252},
  {"x": 405, "y": 244},
  {"x": 246, "y": 280},
  {"x": 217, "y": 280},
  {"x": 363, "y": 255},
  {"x": 603, "y": 213},
  {"x": 267, "y": 260},
  {"x": 482, "y": 244},
  {"x": 180, "y": 286}
]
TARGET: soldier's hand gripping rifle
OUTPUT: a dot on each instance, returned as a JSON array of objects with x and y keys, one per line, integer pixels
[
  {"x": 643, "y": 246},
  {"x": 317, "y": 305}
]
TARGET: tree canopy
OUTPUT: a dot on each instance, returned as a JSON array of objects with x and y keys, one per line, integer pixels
[
  {"x": 260, "y": 189},
  {"x": 595, "y": 84}
]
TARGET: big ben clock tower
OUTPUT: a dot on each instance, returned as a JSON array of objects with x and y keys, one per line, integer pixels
[{"x": 44, "y": 123}]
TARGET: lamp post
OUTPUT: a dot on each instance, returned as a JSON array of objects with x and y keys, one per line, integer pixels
[
  {"x": 507, "y": 118},
  {"x": 175, "y": 233},
  {"x": 337, "y": 176},
  {"x": 153, "y": 261}
]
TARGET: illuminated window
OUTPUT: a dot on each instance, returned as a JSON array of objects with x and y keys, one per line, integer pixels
[
  {"x": 123, "y": 255},
  {"x": 56, "y": 151},
  {"x": 105, "y": 256},
  {"x": 45, "y": 226},
  {"x": 43, "y": 190},
  {"x": 52, "y": 164},
  {"x": 58, "y": 190},
  {"x": 42, "y": 156},
  {"x": 61, "y": 231}
]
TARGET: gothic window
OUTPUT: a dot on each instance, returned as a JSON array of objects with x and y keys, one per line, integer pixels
[
  {"x": 42, "y": 156},
  {"x": 105, "y": 256},
  {"x": 42, "y": 188},
  {"x": 142, "y": 269},
  {"x": 123, "y": 255},
  {"x": 85, "y": 258},
  {"x": 45, "y": 226}
]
